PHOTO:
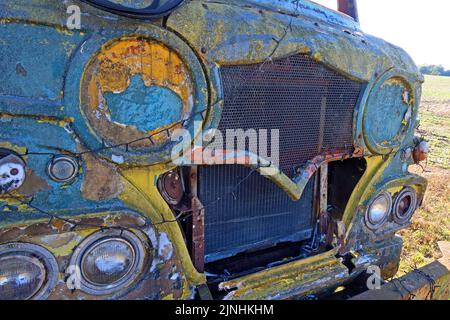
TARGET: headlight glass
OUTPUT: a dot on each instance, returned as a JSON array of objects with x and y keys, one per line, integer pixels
[
  {"x": 108, "y": 261},
  {"x": 379, "y": 210},
  {"x": 405, "y": 205},
  {"x": 27, "y": 271},
  {"x": 21, "y": 277}
]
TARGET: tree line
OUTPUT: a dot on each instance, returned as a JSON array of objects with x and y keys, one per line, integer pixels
[{"x": 434, "y": 70}]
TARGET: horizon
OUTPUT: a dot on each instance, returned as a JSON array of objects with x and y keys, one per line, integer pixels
[{"x": 412, "y": 25}]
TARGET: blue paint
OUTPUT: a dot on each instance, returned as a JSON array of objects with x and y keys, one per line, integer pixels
[
  {"x": 146, "y": 108},
  {"x": 33, "y": 60},
  {"x": 385, "y": 113},
  {"x": 44, "y": 137},
  {"x": 135, "y": 4}
]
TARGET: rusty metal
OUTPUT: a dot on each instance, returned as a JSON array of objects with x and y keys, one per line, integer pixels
[
  {"x": 251, "y": 216},
  {"x": 428, "y": 283},
  {"x": 288, "y": 92},
  {"x": 420, "y": 152},
  {"x": 86, "y": 94},
  {"x": 348, "y": 7},
  {"x": 198, "y": 223}
]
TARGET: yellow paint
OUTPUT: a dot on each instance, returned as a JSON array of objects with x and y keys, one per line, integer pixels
[
  {"x": 158, "y": 65},
  {"x": 365, "y": 187},
  {"x": 111, "y": 71},
  {"x": 142, "y": 194}
]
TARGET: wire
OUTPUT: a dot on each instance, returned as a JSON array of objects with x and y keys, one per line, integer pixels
[{"x": 180, "y": 217}]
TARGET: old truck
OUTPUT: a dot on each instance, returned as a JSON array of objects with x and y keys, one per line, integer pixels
[{"x": 95, "y": 203}]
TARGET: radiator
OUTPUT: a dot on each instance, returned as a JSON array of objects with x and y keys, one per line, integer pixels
[{"x": 255, "y": 214}]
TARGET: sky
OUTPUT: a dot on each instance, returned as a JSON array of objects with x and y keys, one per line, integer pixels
[{"x": 421, "y": 27}]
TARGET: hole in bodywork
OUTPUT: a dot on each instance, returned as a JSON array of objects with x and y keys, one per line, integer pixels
[
  {"x": 256, "y": 226},
  {"x": 343, "y": 177}
]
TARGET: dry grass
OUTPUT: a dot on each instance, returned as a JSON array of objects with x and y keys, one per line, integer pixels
[{"x": 431, "y": 223}]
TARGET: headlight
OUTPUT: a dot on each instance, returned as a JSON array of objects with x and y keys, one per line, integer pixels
[
  {"x": 378, "y": 211},
  {"x": 26, "y": 272},
  {"x": 405, "y": 205},
  {"x": 109, "y": 261}
]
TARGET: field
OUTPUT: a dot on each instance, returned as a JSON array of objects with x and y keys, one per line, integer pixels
[{"x": 432, "y": 222}]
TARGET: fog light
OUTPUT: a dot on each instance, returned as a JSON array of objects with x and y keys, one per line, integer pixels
[
  {"x": 62, "y": 169},
  {"x": 27, "y": 272},
  {"x": 378, "y": 211},
  {"x": 405, "y": 205},
  {"x": 109, "y": 261}
]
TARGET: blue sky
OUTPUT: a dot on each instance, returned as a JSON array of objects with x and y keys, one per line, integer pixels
[{"x": 420, "y": 27}]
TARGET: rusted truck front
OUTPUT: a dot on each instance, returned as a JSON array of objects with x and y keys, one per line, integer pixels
[{"x": 108, "y": 110}]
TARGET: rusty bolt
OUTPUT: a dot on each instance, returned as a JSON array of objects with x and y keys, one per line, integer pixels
[{"x": 420, "y": 152}]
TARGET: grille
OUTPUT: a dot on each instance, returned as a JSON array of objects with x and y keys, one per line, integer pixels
[
  {"x": 311, "y": 105},
  {"x": 254, "y": 214}
]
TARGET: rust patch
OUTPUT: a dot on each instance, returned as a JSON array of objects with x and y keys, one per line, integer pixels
[
  {"x": 102, "y": 181},
  {"x": 33, "y": 184}
]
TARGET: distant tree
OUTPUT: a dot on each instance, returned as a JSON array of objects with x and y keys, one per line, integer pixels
[{"x": 435, "y": 70}]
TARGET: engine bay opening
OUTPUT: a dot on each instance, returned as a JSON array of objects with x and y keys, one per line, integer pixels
[{"x": 238, "y": 222}]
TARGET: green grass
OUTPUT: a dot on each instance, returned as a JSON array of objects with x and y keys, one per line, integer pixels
[
  {"x": 436, "y": 88},
  {"x": 436, "y": 129},
  {"x": 431, "y": 223}
]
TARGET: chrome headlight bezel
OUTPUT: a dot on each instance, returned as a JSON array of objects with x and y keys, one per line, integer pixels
[
  {"x": 93, "y": 241},
  {"x": 404, "y": 218},
  {"x": 373, "y": 224},
  {"x": 40, "y": 257}
]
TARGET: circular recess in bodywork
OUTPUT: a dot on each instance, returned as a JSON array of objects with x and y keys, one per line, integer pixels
[
  {"x": 138, "y": 8},
  {"x": 388, "y": 114},
  {"x": 127, "y": 94},
  {"x": 27, "y": 271},
  {"x": 62, "y": 169},
  {"x": 134, "y": 88}
]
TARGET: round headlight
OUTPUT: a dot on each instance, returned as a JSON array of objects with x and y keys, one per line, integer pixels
[
  {"x": 26, "y": 272},
  {"x": 405, "y": 205},
  {"x": 378, "y": 211},
  {"x": 109, "y": 261}
]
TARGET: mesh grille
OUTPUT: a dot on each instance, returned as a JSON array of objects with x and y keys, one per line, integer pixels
[
  {"x": 311, "y": 105},
  {"x": 257, "y": 213}
]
